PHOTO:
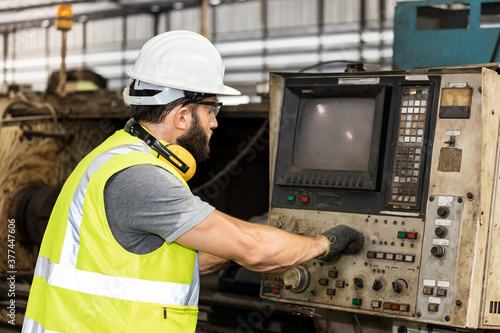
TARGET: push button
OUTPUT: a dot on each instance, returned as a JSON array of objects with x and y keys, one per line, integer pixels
[
  {"x": 333, "y": 274},
  {"x": 441, "y": 292},
  {"x": 428, "y": 291},
  {"x": 432, "y": 307},
  {"x": 357, "y": 301},
  {"x": 404, "y": 307}
]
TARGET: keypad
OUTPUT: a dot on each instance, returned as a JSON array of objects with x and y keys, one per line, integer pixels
[{"x": 408, "y": 159}]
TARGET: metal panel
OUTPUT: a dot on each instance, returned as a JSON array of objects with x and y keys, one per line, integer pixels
[{"x": 442, "y": 46}]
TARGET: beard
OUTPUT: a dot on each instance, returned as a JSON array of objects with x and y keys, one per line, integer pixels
[{"x": 195, "y": 140}]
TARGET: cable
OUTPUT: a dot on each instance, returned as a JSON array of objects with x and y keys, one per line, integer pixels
[
  {"x": 236, "y": 160},
  {"x": 322, "y": 63},
  {"x": 24, "y": 100},
  {"x": 360, "y": 329},
  {"x": 44, "y": 105}
]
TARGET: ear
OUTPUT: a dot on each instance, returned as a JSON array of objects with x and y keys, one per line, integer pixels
[{"x": 182, "y": 118}]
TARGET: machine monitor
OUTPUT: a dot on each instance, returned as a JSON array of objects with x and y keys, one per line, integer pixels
[{"x": 337, "y": 141}]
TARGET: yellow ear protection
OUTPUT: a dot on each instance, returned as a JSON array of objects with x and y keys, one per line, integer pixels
[
  {"x": 175, "y": 155},
  {"x": 181, "y": 154}
]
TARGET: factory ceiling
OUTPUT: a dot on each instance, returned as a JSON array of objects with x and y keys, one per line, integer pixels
[{"x": 22, "y": 14}]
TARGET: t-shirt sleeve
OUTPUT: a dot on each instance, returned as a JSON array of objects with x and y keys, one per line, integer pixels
[{"x": 147, "y": 199}]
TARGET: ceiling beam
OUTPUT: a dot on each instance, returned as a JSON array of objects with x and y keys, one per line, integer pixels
[{"x": 38, "y": 4}]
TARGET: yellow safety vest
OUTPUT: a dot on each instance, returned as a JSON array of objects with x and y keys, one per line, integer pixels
[{"x": 86, "y": 282}]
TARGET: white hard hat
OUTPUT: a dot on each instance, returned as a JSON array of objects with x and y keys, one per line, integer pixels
[{"x": 181, "y": 60}]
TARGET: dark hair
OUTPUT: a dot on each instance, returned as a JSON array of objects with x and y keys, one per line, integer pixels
[{"x": 155, "y": 114}]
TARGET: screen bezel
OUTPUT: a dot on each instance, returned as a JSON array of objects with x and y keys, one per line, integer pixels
[{"x": 288, "y": 174}]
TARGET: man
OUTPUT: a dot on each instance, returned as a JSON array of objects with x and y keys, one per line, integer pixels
[{"x": 127, "y": 240}]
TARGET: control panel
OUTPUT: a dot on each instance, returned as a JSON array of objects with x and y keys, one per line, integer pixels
[
  {"x": 431, "y": 253},
  {"x": 382, "y": 279}
]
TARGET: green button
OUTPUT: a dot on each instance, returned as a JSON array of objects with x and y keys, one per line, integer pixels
[
  {"x": 266, "y": 289},
  {"x": 357, "y": 301},
  {"x": 291, "y": 197},
  {"x": 401, "y": 234}
]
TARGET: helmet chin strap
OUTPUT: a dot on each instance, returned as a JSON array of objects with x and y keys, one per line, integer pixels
[{"x": 186, "y": 165}]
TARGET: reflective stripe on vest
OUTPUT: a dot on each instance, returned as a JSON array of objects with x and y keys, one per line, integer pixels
[
  {"x": 127, "y": 289},
  {"x": 31, "y": 326},
  {"x": 71, "y": 244}
]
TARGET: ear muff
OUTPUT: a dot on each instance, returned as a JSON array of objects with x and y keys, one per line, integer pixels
[
  {"x": 175, "y": 155},
  {"x": 185, "y": 156}
]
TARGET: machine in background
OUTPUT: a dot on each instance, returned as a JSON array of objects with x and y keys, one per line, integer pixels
[{"x": 436, "y": 33}]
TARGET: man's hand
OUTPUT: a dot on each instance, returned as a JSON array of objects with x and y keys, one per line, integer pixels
[{"x": 341, "y": 240}]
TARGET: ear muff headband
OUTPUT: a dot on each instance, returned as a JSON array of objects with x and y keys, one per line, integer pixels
[{"x": 134, "y": 128}]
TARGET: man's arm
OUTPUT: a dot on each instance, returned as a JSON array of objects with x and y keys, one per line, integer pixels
[
  {"x": 211, "y": 264},
  {"x": 254, "y": 246}
]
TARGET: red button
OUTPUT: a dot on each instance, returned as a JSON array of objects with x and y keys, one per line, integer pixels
[
  {"x": 395, "y": 306},
  {"x": 275, "y": 290},
  {"x": 412, "y": 235},
  {"x": 305, "y": 198}
]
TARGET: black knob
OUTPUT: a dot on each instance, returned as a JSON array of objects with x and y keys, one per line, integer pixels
[
  {"x": 359, "y": 282},
  {"x": 441, "y": 231},
  {"x": 443, "y": 211},
  {"x": 377, "y": 285},
  {"x": 438, "y": 251},
  {"x": 397, "y": 286}
]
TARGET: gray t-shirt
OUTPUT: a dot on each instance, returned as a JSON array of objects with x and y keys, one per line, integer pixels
[{"x": 147, "y": 205}]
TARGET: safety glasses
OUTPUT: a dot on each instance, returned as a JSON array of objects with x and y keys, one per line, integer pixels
[{"x": 214, "y": 110}]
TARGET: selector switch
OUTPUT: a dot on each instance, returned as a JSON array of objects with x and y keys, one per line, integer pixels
[
  {"x": 438, "y": 251},
  {"x": 443, "y": 212},
  {"x": 358, "y": 282},
  {"x": 377, "y": 285},
  {"x": 399, "y": 285},
  {"x": 296, "y": 279},
  {"x": 441, "y": 231}
]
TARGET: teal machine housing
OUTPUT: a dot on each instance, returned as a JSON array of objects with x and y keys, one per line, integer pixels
[{"x": 442, "y": 33}]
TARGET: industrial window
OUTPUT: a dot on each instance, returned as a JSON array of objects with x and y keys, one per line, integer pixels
[
  {"x": 441, "y": 17},
  {"x": 490, "y": 15}
]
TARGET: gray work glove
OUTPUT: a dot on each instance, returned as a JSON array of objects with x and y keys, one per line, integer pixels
[{"x": 342, "y": 240}]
